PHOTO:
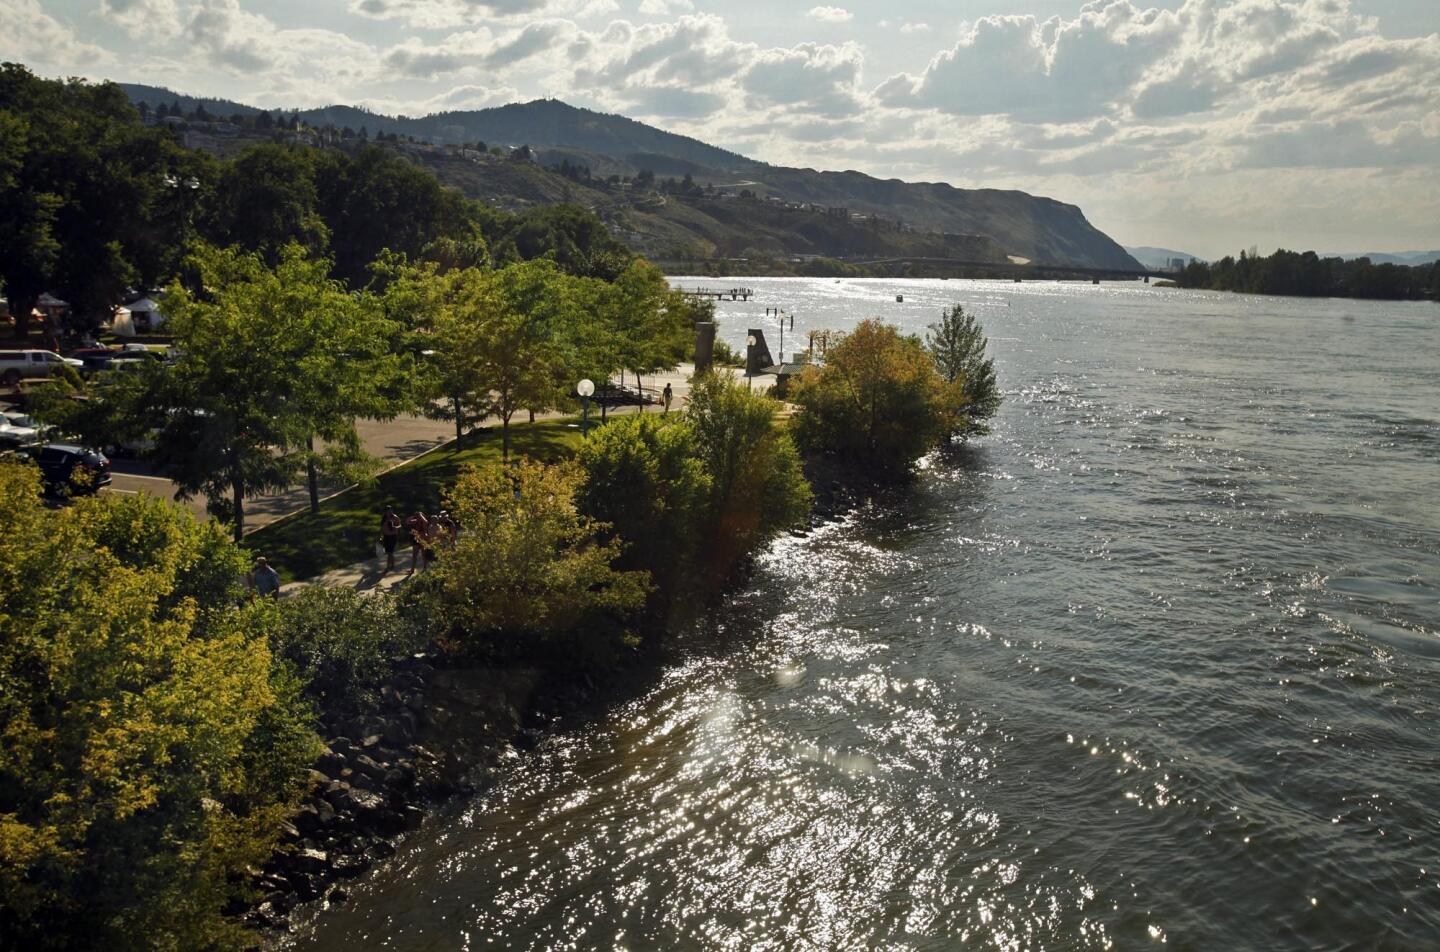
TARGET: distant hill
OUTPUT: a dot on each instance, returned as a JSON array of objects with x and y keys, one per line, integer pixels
[
  {"x": 1410, "y": 258},
  {"x": 156, "y": 96},
  {"x": 1157, "y": 258},
  {"x": 1041, "y": 229}
]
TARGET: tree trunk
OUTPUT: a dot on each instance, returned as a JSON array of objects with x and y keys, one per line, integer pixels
[
  {"x": 459, "y": 410},
  {"x": 639, "y": 389},
  {"x": 237, "y": 484},
  {"x": 20, "y": 308},
  {"x": 505, "y": 437},
  {"x": 312, "y": 475}
]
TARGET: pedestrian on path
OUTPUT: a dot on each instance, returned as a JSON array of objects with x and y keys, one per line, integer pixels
[
  {"x": 431, "y": 541},
  {"x": 449, "y": 529},
  {"x": 389, "y": 535},
  {"x": 668, "y": 395},
  {"x": 419, "y": 525},
  {"x": 264, "y": 580}
]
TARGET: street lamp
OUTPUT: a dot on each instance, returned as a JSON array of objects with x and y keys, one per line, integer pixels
[
  {"x": 749, "y": 360},
  {"x": 783, "y": 317},
  {"x": 585, "y": 388}
]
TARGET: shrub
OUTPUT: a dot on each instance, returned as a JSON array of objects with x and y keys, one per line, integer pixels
[
  {"x": 150, "y": 744},
  {"x": 528, "y": 566},
  {"x": 340, "y": 642},
  {"x": 645, "y": 479},
  {"x": 877, "y": 402},
  {"x": 757, "y": 484}
]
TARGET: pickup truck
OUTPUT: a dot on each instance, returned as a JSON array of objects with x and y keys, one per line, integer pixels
[{"x": 15, "y": 364}]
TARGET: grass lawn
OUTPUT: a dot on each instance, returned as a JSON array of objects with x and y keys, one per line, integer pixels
[{"x": 348, "y": 525}]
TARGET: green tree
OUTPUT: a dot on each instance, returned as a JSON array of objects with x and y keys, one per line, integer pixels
[
  {"x": 266, "y": 200},
  {"x": 757, "y": 484},
  {"x": 151, "y": 744},
  {"x": 82, "y": 190},
  {"x": 645, "y": 478},
  {"x": 957, "y": 345},
  {"x": 878, "y": 402},
  {"x": 271, "y": 359},
  {"x": 375, "y": 200},
  {"x": 524, "y": 315},
  {"x": 648, "y": 323},
  {"x": 527, "y": 564}
]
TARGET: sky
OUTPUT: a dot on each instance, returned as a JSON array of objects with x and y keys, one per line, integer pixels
[{"x": 1205, "y": 126}]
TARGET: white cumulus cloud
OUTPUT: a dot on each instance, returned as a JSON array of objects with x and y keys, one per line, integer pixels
[{"x": 831, "y": 14}]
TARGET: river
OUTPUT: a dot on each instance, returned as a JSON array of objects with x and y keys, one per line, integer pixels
[{"x": 1158, "y": 661}]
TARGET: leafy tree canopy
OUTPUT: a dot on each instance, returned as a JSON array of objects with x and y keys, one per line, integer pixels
[{"x": 151, "y": 745}]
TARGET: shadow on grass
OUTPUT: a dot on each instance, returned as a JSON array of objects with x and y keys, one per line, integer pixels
[{"x": 348, "y": 526}]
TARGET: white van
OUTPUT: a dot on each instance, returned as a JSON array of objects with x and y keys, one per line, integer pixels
[{"x": 15, "y": 364}]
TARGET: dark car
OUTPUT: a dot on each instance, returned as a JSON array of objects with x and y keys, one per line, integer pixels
[{"x": 71, "y": 470}]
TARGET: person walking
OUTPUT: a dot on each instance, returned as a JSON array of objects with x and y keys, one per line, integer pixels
[
  {"x": 418, "y": 525},
  {"x": 389, "y": 535},
  {"x": 449, "y": 529},
  {"x": 429, "y": 544},
  {"x": 265, "y": 580},
  {"x": 667, "y": 394}
]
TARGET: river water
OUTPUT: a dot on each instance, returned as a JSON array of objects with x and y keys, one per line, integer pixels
[{"x": 1158, "y": 661}]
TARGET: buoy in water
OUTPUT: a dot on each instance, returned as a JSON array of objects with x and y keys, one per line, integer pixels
[{"x": 899, "y": 299}]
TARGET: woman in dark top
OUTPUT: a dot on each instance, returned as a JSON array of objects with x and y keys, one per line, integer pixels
[{"x": 389, "y": 535}]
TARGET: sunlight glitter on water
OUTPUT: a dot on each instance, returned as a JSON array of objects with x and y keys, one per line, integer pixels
[{"x": 1152, "y": 664}]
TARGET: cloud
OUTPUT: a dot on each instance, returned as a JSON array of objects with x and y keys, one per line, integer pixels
[
  {"x": 831, "y": 14},
  {"x": 1348, "y": 144},
  {"x": 30, "y": 35},
  {"x": 908, "y": 27},
  {"x": 441, "y": 14},
  {"x": 143, "y": 18},
  {"x": 1056, "y": 70},
  {"x": 820, "y": 79},
  {"x": 663, "y": 8}
]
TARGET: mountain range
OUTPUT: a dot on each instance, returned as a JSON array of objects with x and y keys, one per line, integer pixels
[
  {"x": 1409, "y": 258},
  {"x": 788, "y": 211}
]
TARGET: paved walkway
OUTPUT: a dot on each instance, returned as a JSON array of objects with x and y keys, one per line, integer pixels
[{"x": 367, "y": 576}]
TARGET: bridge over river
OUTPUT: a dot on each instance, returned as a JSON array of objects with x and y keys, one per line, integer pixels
[{"x": 1037, "y": 272}]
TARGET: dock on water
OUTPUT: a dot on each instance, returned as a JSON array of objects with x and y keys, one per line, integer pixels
[{"x": 734, "y": 294}]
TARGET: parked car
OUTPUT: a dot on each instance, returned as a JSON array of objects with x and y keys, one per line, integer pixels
[
  {"x": 15, "y": 364},
  {"x": 71, "y": 470},
  {"x": 17, "y": 429}
]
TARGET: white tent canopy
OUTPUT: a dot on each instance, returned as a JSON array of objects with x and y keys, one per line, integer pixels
[
  {"x": 121, "y": 323},
  {"x": 145, "y": 316}
]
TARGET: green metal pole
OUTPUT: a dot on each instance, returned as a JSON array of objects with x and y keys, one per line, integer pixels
[{"x": 584, "y": 416}]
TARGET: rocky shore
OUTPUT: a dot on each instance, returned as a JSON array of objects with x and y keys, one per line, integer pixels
[{"x": 436, "y": 730}]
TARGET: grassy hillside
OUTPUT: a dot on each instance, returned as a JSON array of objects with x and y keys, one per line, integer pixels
[{"x": 1041, "y": 229}]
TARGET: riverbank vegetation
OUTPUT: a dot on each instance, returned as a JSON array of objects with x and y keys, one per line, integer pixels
[
  {"x": 882, "y": 400},
  {"x": 1309, "y": 275},
  {"x": 160, "y": 727},
  {"x": 160, "y": 724}
]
